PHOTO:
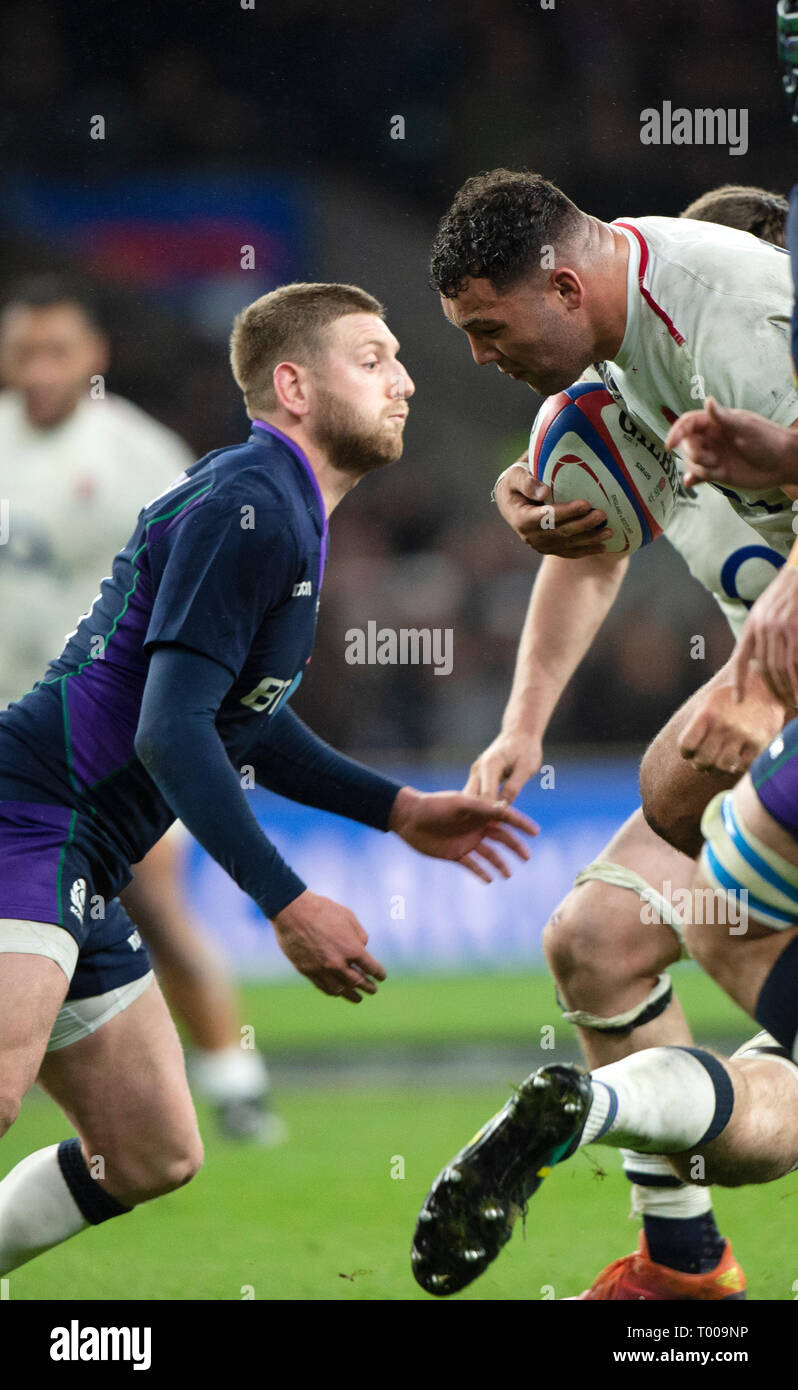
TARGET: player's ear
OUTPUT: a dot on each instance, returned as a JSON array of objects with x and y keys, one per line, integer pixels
[
  {"x": 290, "y": 387},
  {"x": 569, "y": 286}
]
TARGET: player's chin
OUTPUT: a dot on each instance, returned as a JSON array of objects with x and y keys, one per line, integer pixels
[
  {"x": 550, "y": 383},
  {"x": 393, "y": 442}
]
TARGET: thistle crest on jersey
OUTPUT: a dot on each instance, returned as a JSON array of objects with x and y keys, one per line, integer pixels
[
  {"x": 585, "y": 447},
  {"x": 77, "y": 898}
]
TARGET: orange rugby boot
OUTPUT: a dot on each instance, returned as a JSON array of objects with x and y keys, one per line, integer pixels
[{"x": 636, "y": 1277}]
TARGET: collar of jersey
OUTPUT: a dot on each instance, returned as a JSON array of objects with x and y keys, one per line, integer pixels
[
  {"x": 260, "y": 427},
  {"x": 624, "y": 353}
]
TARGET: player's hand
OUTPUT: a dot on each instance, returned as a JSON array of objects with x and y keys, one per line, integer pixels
[
  {"x": 506, "y": 764},
  {"x": 769, "y": 640},
  {"x": 325, "y": 942},
  {"x": 725, "y": 734},
  {"x": 449, "y": 825},
  {"x": 724, "y": 445},
  {"x": 568, "y": 529}
]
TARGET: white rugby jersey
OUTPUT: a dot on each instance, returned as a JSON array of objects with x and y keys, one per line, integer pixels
[
  {"x": 69, "y": 497},
  {"x": 708, "y": 314},
  {"x": 732, "y": 560},
  {"x": 729, "y": 556}
]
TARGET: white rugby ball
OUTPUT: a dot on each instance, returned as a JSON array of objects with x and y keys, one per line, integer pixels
[{"x": 585, "y": 447}]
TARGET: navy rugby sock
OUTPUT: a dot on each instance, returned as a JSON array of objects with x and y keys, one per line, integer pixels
[
  {"x": 93, "y": 1201},
  {"x": 777, "y": 1005},
  {"x": 693, "y": 1246}
]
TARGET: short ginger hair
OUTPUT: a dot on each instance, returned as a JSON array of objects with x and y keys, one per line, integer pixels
[{"x": 289, "y": 323}]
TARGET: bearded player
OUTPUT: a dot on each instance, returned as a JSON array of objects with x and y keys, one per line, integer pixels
[
  {"x": 609, "y": 968},
  {"x": 180, "y": 675}
]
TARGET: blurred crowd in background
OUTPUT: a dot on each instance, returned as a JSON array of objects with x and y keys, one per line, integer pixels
[{"x": 295, "y": 103}]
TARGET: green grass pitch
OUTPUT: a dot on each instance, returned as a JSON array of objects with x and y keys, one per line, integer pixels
[{"x": 329, "y": 1215}]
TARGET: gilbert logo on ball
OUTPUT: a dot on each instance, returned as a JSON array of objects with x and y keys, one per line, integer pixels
[{"x": 586, "y": 448}]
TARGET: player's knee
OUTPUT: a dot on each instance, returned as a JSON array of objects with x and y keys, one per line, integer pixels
[
  {"x": 140, "y": 1178},
  {"x": 692, "y": 1168},
  {"x": 702, "y": 1169},
  {"x": 9, "y": 1109},
  {"x": 727, "y": 1168},
  {"x": 597, "y": 929},
  {"x": 181, "y": 1166},
  {"x": 562, "y": 938}
]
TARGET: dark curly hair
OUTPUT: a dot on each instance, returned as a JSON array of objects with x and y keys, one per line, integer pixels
[
  {"x": 496, "y": 227},
  {"x": 752, "y": 209}
]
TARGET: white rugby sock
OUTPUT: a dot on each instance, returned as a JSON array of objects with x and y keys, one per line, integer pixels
[
  {"x": 661, "y": 1100},
  {"x": 656, "y": 1190},
  {"x": 229, "y": 1074},
  {"x": 37, "y": 1209}
]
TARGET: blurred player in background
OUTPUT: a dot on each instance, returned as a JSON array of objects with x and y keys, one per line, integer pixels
[
  {"x": 76, "y": 463},
  {"x": 609, "y": 967}
]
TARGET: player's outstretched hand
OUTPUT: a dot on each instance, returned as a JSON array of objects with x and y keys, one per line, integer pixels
[
  {"x": 725, "y": 445},
  {"x": 725, "y": 734},
  {"x": 325, "y": 942},
  {"x": 506, "y": 764},
  {"x": 568, "y": 529},
  {"x": 769, "y": 640},
  {"x": 450, "y": 825}
]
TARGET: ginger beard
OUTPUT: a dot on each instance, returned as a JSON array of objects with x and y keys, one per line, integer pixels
[{"x": 352, "y": 441}]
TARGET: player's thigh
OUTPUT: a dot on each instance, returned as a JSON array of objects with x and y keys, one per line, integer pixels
[
  {"x": 32, "y": 989},
  {"x": 124, "y": 1088},
  {"x": 637, "y": 847},
  {"x": 157, "y": 877},
  {"x": 674, "y": 793},
  {"x": 607, "y": 918}
]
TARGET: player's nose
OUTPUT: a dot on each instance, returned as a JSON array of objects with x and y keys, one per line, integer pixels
[
  {"x": 402, "y": 386},
  {"x": 409, "y": 385},
  {"x": 482, "y": 353}
]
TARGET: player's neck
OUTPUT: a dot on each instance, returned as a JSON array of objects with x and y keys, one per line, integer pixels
[
  {"x": 608, "y": 292},
  {"x": 333, "y": 483}
]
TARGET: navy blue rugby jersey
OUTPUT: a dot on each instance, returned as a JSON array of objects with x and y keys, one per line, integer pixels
[{"x": 228, "y": 562}]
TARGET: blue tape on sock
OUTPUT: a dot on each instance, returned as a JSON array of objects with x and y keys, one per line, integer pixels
[{"x": 613, "y": 1111}]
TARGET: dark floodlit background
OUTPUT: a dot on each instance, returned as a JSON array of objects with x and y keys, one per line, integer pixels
[{"x": 272, "y": 128}]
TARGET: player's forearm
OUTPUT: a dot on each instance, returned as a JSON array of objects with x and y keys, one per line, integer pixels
[
  {"x": 179, "y": 745},
  {"x": 786, "y": 452},
  {"x": 294, "y": 762},
  {"x": 569, "y": 602}
]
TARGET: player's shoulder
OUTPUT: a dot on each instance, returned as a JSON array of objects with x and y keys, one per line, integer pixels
[
  {"x": 724, "y": 259},
  {"x": 12, "y": 411},
  {"x": 246, "y": 473},
  {"x": 230, "y": 496},
  {"x": 134, "y": 437}
]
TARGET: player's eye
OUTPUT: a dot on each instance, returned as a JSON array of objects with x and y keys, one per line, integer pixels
[{"x": 373, "y": 362}]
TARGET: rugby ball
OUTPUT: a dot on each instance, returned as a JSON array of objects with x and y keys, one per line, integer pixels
[{"x": 585, "y": 447}]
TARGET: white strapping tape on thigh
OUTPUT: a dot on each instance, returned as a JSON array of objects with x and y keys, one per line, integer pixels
[
  {"x": 39, "y": 939},
  {"x": 605, "y": 871}
]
